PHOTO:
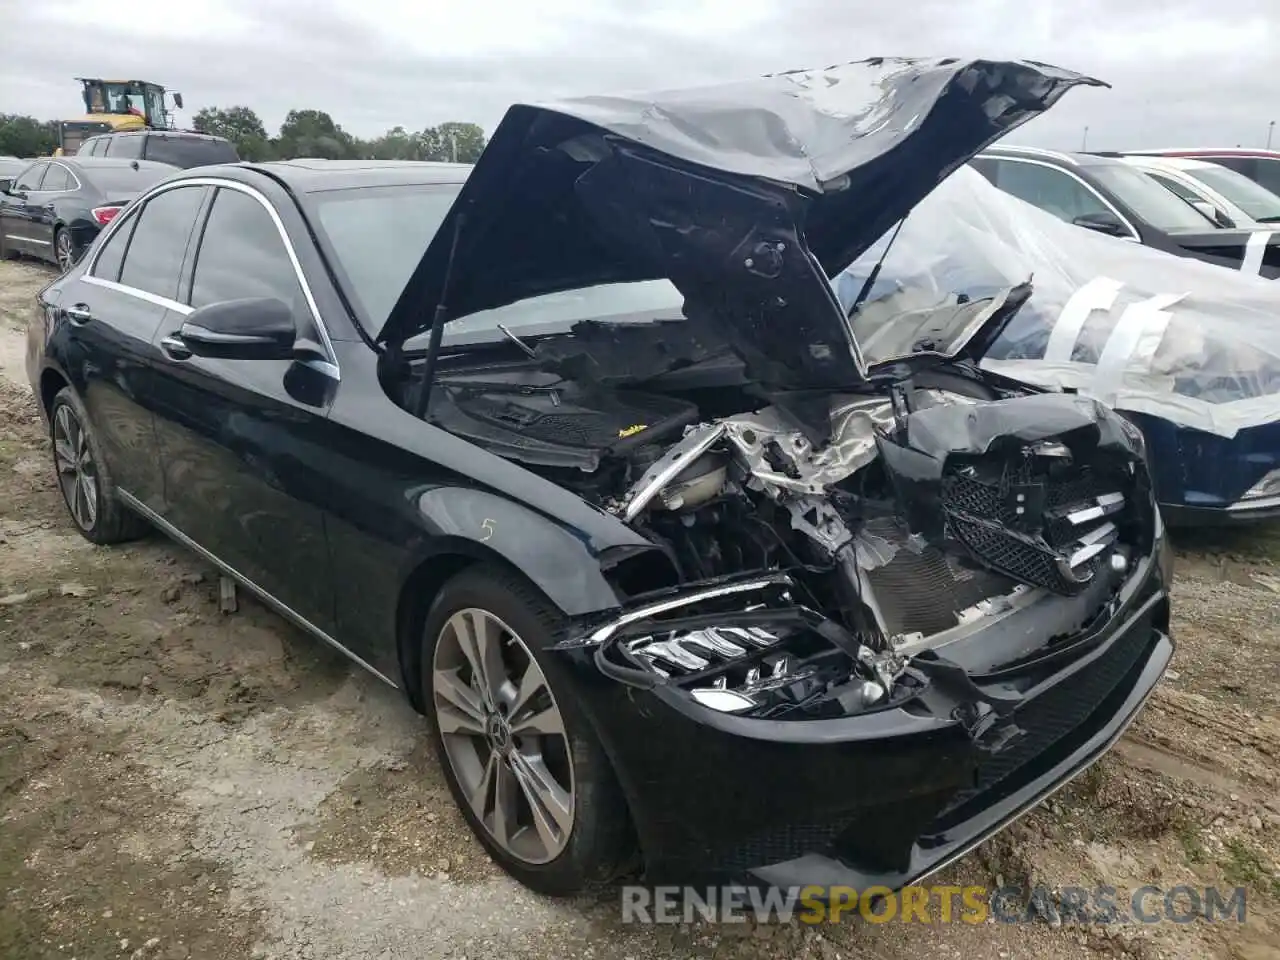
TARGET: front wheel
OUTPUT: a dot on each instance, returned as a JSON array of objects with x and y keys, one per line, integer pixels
[
  {"x": 84, "y": 477},
  {"x": 520, "y": 758}
]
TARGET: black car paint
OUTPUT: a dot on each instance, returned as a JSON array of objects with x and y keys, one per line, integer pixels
[
  {"x": 30, "y": 221},
  {"x": 307, "y": 482},
  {"x": 1219, "y": 246},
  {"x": 253, "y": 452}
]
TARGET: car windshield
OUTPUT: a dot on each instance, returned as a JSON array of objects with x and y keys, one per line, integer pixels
[
  {"x": 1150, "y": 201},
  {"x": 378, "y": 235},
  {"x": 1254, "y": 199},
  {"x": 125, "y": 179}
]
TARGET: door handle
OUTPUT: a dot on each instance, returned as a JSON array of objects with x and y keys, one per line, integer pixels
[
  {"x": 79, "y": 314},
  {"x": 175, "y": 349}
]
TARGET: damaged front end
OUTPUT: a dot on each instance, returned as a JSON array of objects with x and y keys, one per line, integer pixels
[{"x": 967, "y": 596}]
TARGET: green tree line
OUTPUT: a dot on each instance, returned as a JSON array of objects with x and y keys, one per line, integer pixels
[{"x": 304, "y": 133}]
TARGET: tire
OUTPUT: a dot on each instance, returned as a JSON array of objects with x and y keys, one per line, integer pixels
[
  {"x": 84, "y": 477},
  {"x": 64, "y": 249},
  {"x": 591, "y": 838}
]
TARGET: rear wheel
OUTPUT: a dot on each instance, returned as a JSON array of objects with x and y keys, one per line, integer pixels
[
  {"x": 520, "y": 759},
  {"x": 84, "y": 477},
  {"x": 64, "y": 249}
]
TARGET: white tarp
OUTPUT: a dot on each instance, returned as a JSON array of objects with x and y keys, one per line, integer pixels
[{"x": 1139, "y": 329}]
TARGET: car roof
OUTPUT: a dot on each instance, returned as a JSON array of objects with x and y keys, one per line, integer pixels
[
  {"x": 1060, "y": 157},
  {"x": 313, "y": 175},
  {"x": 1214, "y": 152}
]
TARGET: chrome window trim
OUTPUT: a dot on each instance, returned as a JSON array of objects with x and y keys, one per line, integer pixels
[
  {"x": 1135, "y": 236},
  {"x": 71, "y": 173},
  {"x": 134, "y": 292},
  {"x": 139, "y": 202}
]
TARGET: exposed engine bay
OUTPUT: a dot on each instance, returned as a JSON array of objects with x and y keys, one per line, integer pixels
[{"x": 821, "y": 550}]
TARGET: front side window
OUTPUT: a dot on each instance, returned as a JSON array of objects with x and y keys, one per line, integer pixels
[
  {"x": 242, "y": 256},
  {"x": 1253, "y": 198},
  {"x": 29, "y": 179},
  {"x": 153, "y": 261},
  {"x": 1049, "y": 189}
]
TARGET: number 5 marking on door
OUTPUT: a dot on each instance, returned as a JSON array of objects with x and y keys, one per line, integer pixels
[{"x": 487, "y": 526}]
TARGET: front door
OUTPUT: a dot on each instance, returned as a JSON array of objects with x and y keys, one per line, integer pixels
[
  {"x": 16, "y": 228},
  {"x": 241, "y": 440}
]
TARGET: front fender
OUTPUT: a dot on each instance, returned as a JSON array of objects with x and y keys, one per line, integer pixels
[{"x": 564, "y": 563}]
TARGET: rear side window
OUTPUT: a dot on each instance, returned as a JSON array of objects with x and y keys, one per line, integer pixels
[
  {"x": 129, "y": 148},
  {"x": 187, "y": 152},
  {"x": 87, "y": 148},
  {"x": 112, "y": 256},
  {"x": 56, "y": 178},
  {"x": 154, "y": 258},
  {"x": 242, "y": 255}
]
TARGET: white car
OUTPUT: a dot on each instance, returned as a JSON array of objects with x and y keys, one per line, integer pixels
[{"x": 1222, "y": 194}]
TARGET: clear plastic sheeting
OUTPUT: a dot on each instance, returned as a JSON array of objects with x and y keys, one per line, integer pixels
[{"x": 1138, "y": 329}]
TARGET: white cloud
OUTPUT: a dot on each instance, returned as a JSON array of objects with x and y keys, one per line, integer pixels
[{"x": 1182, "y": 70}]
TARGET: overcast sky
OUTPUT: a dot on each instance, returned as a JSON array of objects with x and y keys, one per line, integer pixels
[{"x": 1183, "y": 71}]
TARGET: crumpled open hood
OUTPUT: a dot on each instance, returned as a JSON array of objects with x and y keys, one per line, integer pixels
[{"x": 747, "y": 196}]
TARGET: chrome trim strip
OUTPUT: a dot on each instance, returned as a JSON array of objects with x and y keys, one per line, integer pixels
[
  {"x": 170, "y": 530},
  {"x": 675, "y": 603},
  {"x": 1104, "y": 505},
  {"x": 1260, "y": 503},
  {"x": 146, "y": 295},
  {"x": 14, "y": 236},
  {"x": 109, "y": 232}
]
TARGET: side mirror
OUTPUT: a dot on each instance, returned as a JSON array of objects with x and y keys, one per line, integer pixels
[
  {"x": 255, "y": 329},
  {"x": 1102, "y": 222},
  {"x": 1207, "y": 209},
  {"x": 6, "y": 184},
  {"x": 177, "y": 100}
]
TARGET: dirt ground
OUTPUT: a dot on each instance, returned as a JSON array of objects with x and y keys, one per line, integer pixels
[{"x": 175, "y": 782}]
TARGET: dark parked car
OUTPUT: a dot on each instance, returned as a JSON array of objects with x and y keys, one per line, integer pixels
[
  {"x": 1260, "y": 166},
  {"x": 643, "y": 528},
  {"x": 178, "y": 148},
  {"x": 1110, "y": 196},
  {"x": 53, "y": 209}
]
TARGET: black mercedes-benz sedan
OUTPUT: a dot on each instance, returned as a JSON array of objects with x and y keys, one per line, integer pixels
[
  {"x": 578, "y": 450},
  {"x": 54, "y": 208}
]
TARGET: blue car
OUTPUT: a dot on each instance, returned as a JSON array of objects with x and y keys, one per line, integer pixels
[{"x": 1187, "y": 350}]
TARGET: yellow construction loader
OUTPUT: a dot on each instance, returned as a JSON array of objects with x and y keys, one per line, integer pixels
[{"x": 115, "y": 105}]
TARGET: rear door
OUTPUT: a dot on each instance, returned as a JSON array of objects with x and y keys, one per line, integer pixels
[
  {"x": 111, "y": 313},
  {"x": 242, "y": 440}
]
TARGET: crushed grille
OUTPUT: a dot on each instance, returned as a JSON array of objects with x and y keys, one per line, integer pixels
[{"x": 1041, "y": 520}]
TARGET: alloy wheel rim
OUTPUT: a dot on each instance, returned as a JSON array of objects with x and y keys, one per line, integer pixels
[
  {"x": 77, "y": 472},
  {"x": 64, "y": 252},
  {"x": 503, "y": 735}
]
